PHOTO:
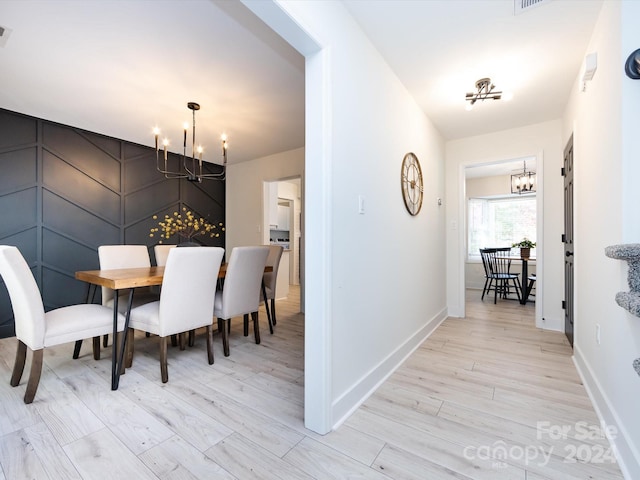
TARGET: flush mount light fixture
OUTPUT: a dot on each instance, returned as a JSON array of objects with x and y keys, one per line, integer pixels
[
  {"x": 485, "y": 91},
  {"x": 189, "y": 167}
]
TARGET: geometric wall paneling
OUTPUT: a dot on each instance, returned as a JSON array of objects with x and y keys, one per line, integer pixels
[
  {"x": 74, "y": 148},
  {"x": 145, "y": 202},
  {"x": 60, "y": 290},
  {"x": 67, "y": 255},
  {"x": 19, "y": 211},
  {"x": 94, "y": 190},
  {"x": 17, "y": 130},
  {"x": 18, "y": 168},
  {"x": 73, "y": 221},
  {"x": 79, "y": 188}
]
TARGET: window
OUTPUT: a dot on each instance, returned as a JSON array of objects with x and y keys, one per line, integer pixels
[{"x": 500, "y": 222}]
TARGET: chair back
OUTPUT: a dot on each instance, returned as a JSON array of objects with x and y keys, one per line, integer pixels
[
  {"x": 270, "y": 278},
  {"x": 241, "y": 292},
  {"x": 161, "y": 252},
  {"x": 121, "y": 256},
  {"x": 497, "y": 260},
  {"x": 189, "y": 288},
  {"x": 28, "y": 309},
  {"x": 484, "y": 254}
]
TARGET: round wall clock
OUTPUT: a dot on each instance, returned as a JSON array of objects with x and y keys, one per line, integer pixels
[{"x": 411, "y": 182}]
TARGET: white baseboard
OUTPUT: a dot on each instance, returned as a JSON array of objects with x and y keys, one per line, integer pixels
[
  {"x": 349, "y": 402},
  {"x": 623, "y": 446}
]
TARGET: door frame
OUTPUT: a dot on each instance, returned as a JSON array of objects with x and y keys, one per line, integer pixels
[{"x": 462, "y": 228}]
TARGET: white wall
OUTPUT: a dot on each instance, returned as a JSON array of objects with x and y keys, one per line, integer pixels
[
  {"x": 244, "y": 194},
  {"x": 605, "y": 125},
  {"x": 544, "y": 141},
  {"x": 378, "y": 277}
]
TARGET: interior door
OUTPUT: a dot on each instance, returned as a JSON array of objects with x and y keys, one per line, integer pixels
[{"x": 567, "y": 238}]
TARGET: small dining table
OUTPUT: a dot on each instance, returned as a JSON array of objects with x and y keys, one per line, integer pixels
[
  {"x": 526, "y": 288},
  {"x": 129, "y": 279}
]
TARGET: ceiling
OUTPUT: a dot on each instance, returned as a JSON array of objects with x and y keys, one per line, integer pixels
[{"x": 122, "y": 67}]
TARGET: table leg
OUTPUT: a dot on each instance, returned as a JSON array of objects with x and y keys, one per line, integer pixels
[
  {"x": 525, "y": 281},
  {"x": 118, "y": 357}
]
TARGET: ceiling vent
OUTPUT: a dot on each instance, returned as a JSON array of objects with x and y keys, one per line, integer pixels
[{"x": 521, "y": 6}]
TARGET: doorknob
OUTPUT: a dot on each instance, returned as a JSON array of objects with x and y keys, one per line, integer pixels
[{"x": 569, "y": 254}]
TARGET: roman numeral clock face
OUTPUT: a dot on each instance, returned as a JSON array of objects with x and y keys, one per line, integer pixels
[{"x": 411, "y": 182}]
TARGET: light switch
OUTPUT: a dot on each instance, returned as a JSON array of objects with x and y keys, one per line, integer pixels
[{"x": 360, "y": 204}]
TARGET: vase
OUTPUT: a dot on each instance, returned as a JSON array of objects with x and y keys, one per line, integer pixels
[
  {"x": 189, "y": 243},
  {"x": 525, "y": 252}
]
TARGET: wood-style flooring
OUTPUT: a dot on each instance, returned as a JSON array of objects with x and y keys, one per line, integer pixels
[{"x": 485, "y": 397}]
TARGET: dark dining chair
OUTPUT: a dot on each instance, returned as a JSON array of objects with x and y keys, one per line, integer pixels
[{"x": 498, "y": 273}]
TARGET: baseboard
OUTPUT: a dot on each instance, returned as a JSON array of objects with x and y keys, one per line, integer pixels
[
  {"x": 626, "y": 452},
  {"x": 349, "y": 402}
]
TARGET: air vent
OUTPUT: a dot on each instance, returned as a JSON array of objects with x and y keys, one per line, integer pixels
[{"x": 521, "y": 6}]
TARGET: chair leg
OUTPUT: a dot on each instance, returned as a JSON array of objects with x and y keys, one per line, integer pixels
[
  {"x": 246, "y": 325},
  {"x": 77, "y": 347},
  {"x": 210, "y": 344},
  {"x": 182, "y": 341},
  {"x": 130, "y": 348},
  {"x": 164, "y": 370},
  {"x": 174, "y": 340},
  {"x": 105, "y": 341},
  {"x": 96, "y": 348},
  {"x": 34, "y": 376},
  {"x": 225, "y": 336},
  {"x": 256, "y": 326},
  {"x": 18, "y": 366},
  {"x": 273, "y": 311},
  {"x": 192, "y": 338}
]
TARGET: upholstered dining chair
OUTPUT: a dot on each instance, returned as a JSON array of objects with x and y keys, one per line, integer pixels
[
  {"x": 269, "y": 279},
  {"x": 240, "y": 294},
  {"x": 186, "y": 300},
  {"x": 125, "y": 256},
  {"x": 37, "y": 329},
  {"x": 161, "y": 252}
]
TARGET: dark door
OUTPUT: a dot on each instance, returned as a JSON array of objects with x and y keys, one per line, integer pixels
[{"x": 567, "y": 238}]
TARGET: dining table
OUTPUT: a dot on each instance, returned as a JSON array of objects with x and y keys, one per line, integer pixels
[
  {"x": 526, "y": 284},
  {"x": 128, "y": 279}
]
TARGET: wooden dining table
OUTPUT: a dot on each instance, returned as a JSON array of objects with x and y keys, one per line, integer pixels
[{"x": 128, "y": 279}]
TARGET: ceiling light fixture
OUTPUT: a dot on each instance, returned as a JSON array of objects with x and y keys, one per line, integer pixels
[
  {"x": 189, "y": 167},
  {"x": 524, "y": 182},
  {"x": 484, "y": 92}
]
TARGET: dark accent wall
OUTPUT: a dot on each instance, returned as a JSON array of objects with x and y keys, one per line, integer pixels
[{"x": 65, "y": 191}]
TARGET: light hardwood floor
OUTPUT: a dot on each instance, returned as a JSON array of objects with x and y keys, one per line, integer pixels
[{"x": 484, "y": 397}]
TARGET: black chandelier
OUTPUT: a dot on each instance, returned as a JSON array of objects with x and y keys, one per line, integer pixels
[
  {"x": 189, "y": 167},
  {"x": 485, "y": 91},
  {"x": 524, "y": 182}
]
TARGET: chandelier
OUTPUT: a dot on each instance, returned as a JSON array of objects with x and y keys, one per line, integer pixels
[
  {"x": 524, "y": 182},
  {"x": 484, "y": 92},
  {"x": 189, "y": 167}
]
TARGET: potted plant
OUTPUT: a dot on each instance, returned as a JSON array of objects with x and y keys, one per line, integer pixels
[{"x": 525, "y": 246}]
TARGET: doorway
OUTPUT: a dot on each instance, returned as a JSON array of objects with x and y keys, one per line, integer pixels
[
  {"x": 282, "y": 225},
  {"x": 486, "y": 197},
  {"x": 567, "y": 239}
]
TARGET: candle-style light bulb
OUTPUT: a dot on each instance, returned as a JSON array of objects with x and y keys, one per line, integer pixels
[
  {"x": 165, "y": 142},
  {"x": 156, "y": 132},
  {"x": 200, "y": 150},
  {"x": 186, "y": 127}
]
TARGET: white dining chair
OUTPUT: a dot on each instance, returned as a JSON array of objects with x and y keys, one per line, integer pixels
[
  {"x": 240, "y": 294},
  {"x": 186, "y": 300},
  {"x": 37, "y": 329},
  {"x": 161, "y": 252},
  {"x": 125, "y": 256},
  {"x": 269, "y": 280}
]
